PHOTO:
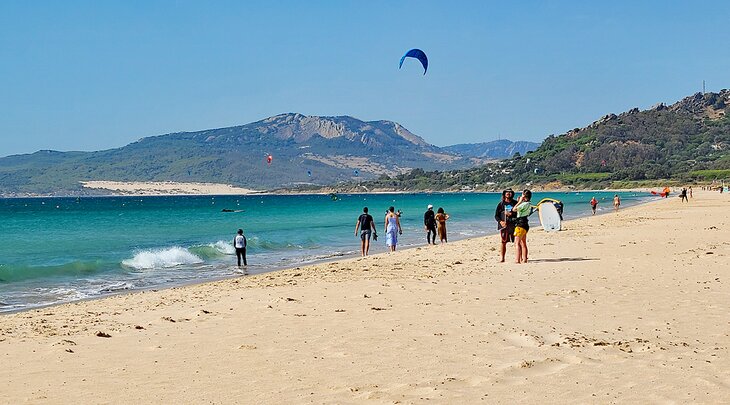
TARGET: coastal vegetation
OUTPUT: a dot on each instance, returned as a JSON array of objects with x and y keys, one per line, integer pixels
[{"x": 688, "y": 141}]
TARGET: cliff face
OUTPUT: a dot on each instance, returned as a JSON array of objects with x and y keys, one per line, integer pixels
[{"x": 500, "y": 149}]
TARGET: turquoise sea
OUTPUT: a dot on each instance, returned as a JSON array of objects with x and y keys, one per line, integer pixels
[{"x": 56, "y": 250}]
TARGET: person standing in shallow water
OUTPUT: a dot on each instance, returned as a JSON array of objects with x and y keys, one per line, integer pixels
[
  {"x": 441, "y": 218},
  {"x": 392, "y": 229},
  {"x": 594, "y": 204},
  {"x": 429, "y": 224},
  {"x": 366, "y": 225},
  {"x": 239, "y": 242}
]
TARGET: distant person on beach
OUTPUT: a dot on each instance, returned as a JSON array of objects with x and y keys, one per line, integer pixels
[
  {"x": 505, "y": 220},
  {"x": 523, "y": 209},
  {"x": 594, "y": 204},
  {"x": 239, "y": 242},
  {"x": 616, "y": 202},
  {"x": 366, "y": 226},
  {"x": 392, "y": 229},
  {"x": 690, "y": 191},
  {"x": 441, "y": 218},
  {"x": 683, "y": 195},
  {"x": 429, "y": 224}
]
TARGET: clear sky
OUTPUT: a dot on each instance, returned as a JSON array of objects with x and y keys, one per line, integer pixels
[{"x": 99, "y": 74}]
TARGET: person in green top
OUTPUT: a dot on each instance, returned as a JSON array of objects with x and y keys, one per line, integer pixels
[{"x": 523, "y": 209}]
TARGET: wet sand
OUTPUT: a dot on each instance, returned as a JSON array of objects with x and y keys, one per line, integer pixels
[{"x": 623, "y": 307}]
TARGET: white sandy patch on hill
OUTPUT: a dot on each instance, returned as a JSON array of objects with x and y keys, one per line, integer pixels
[{"x": 164, "y": 187}]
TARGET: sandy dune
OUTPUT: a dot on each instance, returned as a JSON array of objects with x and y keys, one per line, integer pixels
[
  {"x": 164, "y": 188},
  {"x": 629, "y": 307}
]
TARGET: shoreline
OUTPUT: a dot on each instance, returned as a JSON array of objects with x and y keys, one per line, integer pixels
[
  {"x": 582, "y": 322},
  {"x": 327, "y": 260},
  {"x": 306, "y": 193}
]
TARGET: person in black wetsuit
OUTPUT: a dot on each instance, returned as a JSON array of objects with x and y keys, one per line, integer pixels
[
  {"x": 366, "y": 226},
  {"x": 429, "y": 224},
  {"x": 505, "y": 220}
]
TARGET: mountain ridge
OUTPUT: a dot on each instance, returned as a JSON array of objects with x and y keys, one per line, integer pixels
[{"x": 305, "y": 150}]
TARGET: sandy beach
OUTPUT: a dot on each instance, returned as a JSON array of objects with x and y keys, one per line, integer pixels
[
  {"x": 627, "y": 307},
  {"x": 164, "y": 188}
]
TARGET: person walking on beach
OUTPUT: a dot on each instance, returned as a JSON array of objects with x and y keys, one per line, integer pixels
[
  {"x": 392, "y": 229},
  {"x": 505, "y": 220},
  {"x": 690, "y": 191},
  {"x": 366, "y": 226},
  {"x": 239, "y": 242},
  {"x": 683, "y": 195},
  {"x": 429, "y": 224},
  {"x": 594, "y": 204},
  {"x": 441, "y": 218},
  {"x": 523, "y": 209},
  {"x": 616, "y": 202}
]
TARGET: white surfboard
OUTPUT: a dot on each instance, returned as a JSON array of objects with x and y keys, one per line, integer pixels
[{"x": 549, "y": 217}]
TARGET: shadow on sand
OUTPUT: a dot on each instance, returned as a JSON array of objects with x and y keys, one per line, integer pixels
[{"x": 562, "y": 259}]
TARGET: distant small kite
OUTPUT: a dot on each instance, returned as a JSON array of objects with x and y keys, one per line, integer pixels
[
  {"x": 417, "y": 54},
  {"x": 269, "y": 159}
]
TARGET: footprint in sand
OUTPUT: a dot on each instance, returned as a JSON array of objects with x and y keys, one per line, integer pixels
[
  {"x": 523, "y": 340},
  {"x": 540, "y": 367}
]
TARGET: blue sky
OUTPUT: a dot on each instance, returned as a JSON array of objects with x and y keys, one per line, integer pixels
[{"x": 94, "y": 75}]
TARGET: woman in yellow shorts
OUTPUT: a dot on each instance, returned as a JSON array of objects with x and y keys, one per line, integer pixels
[{"x": 522, "y": 225}]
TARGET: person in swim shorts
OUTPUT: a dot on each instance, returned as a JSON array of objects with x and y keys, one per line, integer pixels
[
  {"x": 366, "y": 226},
  {"x": 505, "y": 220},
  {"x": 594, "y": 204},
  {"x": 523, "y": 209}
]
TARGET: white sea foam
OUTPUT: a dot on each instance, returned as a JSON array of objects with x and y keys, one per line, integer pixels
[
  {"x": 224, "y": 247},
  {"x": 161, "y": 258}
]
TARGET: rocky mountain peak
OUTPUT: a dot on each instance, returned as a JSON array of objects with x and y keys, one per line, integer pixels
[{"x": 706, "y": 104}]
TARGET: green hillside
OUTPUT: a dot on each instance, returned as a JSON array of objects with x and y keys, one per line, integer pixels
[{"x": 686, "y": 141}]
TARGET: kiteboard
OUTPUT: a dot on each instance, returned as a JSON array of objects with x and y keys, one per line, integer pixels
[{"x": 549, "y": 216}]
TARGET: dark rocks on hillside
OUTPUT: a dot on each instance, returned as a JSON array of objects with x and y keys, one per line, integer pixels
[
  {"x": 606, "y": 118},
  {"x": 699, "y": 103}
]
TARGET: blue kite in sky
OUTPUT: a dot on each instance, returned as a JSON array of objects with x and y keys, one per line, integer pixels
[{"x": 418, "y": 54}]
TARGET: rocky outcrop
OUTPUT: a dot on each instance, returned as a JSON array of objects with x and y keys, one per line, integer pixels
[{"x": 701, "y": 104}]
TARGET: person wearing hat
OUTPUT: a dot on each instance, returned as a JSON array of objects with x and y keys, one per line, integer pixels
[
  {"x": 429, "y": 224},
  {"x": 505, "y": 220}
]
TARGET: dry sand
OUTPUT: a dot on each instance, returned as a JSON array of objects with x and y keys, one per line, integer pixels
[
  {"x": 629, "y": 307},
  {"x": 164, "y": 188}
]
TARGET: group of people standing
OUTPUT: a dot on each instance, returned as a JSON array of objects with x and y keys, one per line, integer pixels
[
  {"x": 513, "y": 223},
  {"x": 433, "y": 223}
]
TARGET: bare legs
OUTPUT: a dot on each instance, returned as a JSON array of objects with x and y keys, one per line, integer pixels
[
  {"x": 521, "y": 242},
  {"x": 364, "y": 247}
]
